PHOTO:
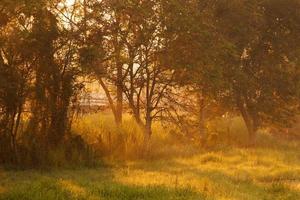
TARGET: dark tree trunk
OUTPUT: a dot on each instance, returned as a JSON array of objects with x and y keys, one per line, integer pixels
[
  {"x": 15, "y": 133},
  {"x": 251, "y": 128},
  {"x": 110, "y": 100},
  {"x": 201, "y": 120},
  {"x": 147, "y": 133},
  {"x": 119, "y": 82},
  {"x": 250, "y": 121},
  {"x": 119, "y": 107},
  {"x": 148, "y": 126}
]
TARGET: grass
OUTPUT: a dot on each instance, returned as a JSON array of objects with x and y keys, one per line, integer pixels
[
  {"x": 174, "y": 171},
  {"x": 242, "y": 174}
]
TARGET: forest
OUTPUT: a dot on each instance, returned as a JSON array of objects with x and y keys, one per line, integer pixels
[{"x": 149, "y": 99}]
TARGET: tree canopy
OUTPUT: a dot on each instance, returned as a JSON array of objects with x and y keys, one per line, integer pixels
[{"x": 175, "y": 61}]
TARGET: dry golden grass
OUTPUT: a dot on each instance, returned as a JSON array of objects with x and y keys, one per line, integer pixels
[{"x": 173, "y": 170}]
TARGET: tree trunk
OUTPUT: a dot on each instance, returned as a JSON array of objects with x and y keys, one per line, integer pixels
[
  {"x": 119, "y": 81},
  {"x": 110, "y": 100},
  {"x": 201, "y": 120},
  {"x": 15, "y": 133},
  {"x": 250, "y": 122},
  {"x": 119, "y": 107},
  {"x": 12, "y": 138},
  {"x": 251, "y": 129},
  {"x": 147, "y": 132},
  {"x": 148, "y": 126}
]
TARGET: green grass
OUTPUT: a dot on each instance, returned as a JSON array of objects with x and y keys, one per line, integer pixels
[
  {"x": 175, "y": 169},
  {"x": 241, "y": 174}
]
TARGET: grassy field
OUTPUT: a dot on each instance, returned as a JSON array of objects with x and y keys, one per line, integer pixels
[
  {"x": 239, "y": 174},
  {"x": 270, "y": 171}
]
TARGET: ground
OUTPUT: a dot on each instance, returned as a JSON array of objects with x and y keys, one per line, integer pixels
[{"x": 261, "y": 173}]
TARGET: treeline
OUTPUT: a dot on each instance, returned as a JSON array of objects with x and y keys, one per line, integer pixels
[{"x": 179, "y": 61}]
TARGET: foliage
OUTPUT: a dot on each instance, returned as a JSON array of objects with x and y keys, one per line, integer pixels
[{"x": 192, "y": 66}]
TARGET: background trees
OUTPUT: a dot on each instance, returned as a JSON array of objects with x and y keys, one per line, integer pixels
[
  {"x": 15, "y": 76},
  {"x": 38, "y": 74},
  {"x": 239, "y": 57},
  {"x": 133, "y": 40},
  {"x": 259, "y": 69}
]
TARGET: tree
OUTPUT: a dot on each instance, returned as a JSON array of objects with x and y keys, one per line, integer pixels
[
  {"x": 261, "y": 67},
  {"x": 192, "y": 52},
  {"x": 15, "y": 76},
  {"x": 132, "y": 45},
  {"x": 149, "y": 78},
  {"x": 104, "y": 48},
  {"x": 38, "y": 73},
  {"x": 55, "y": 51}
]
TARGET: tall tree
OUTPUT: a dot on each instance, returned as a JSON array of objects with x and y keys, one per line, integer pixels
[
  {"x": 261, "y": 67},
  {"x": 192, "y": 52}
]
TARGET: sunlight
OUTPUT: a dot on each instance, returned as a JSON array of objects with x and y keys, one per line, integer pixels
[
  {"x": 149, "y": 99},
  {"x": 70, "y": 2},
  {"x": 73, "y": 188}
]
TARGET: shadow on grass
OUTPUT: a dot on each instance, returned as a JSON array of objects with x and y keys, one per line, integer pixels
[
  {"x": 196, "y": 181},
  {"x": 89, "y": 185}
]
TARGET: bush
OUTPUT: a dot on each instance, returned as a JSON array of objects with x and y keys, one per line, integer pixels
[
  {"x": 127, "y": 141},
  {"x": 100, "y": 131},
  {"x": 34, "y": 152},
  {"x": 227, "y": 130}
]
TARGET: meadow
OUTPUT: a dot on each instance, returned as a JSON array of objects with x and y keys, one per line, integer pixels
[{"x": 175, "y": 168}]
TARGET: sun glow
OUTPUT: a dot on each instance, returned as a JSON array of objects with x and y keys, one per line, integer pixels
[{"x": 70, "y": 2}]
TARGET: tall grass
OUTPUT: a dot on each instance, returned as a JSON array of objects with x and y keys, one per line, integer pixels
[
  {"x": 126, "y": 142},
  {"x": 231, "y": 174},
  {"x": 176, "y": 167},
  {"x": 100, "y": 131}
]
